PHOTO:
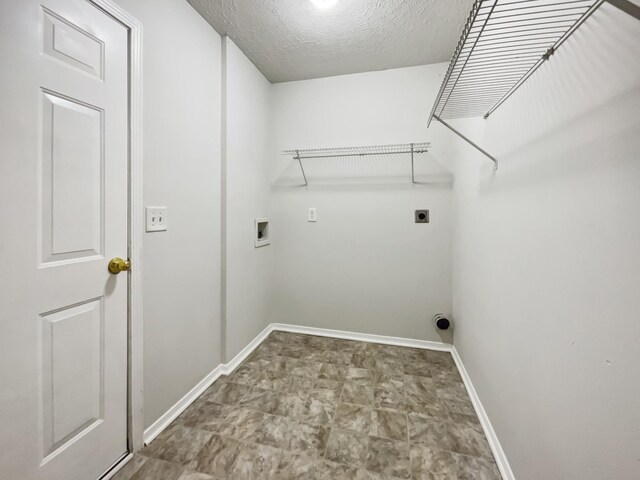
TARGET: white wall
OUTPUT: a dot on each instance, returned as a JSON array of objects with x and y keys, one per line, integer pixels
[
  {"x": 182, "y": 78},
  {"x": 247, "y": 146},
  {"x": 547, "y": 260},
  {"x": 364, "y": 266}
]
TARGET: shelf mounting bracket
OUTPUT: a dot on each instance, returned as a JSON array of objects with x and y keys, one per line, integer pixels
[
  {"x": 301, "y": 168},
  {"x": 413, "y": 177},
  {"x": 484, "y": 152}
]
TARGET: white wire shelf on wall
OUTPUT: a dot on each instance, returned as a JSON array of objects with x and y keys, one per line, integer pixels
[
  {"x": 318, "y": 164},
  {"x": 502, "y": 44}
]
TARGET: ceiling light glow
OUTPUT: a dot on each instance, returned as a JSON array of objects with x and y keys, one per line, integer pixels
[{"x": 324, "y": 4}]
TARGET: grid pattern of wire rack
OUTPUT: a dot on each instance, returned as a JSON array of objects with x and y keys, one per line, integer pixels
[
  {"x": 502, "y": 44},
  {"x": 337, "y": 152},
  {"x": 410, "y": 150}
]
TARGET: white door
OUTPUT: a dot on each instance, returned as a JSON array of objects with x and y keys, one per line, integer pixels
[{"x": 63, "y": 216}]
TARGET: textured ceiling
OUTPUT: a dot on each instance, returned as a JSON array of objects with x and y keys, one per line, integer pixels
[{"x": 294, "y": 40}]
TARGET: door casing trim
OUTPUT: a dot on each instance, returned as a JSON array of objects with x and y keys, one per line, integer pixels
[{"x": 135, "y": 417}]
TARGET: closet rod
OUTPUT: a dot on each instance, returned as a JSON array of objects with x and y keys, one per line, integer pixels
[{"x": 484, "y": 152}]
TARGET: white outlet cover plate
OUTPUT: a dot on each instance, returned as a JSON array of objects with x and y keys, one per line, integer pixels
[
  {"x": 312, "y": 214},
  {"x": 156, "y": 219}
]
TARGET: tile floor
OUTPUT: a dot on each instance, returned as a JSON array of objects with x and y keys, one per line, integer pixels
[{"x": 316, "y": 408}]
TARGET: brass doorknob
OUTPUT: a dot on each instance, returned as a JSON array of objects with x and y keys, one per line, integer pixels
[{"x": 117, "y": 265}]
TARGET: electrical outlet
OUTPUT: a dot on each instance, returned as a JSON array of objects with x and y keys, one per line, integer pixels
[
  {"x": 312, "y": 215},
  {"x": 156, "y": 219},
  {"x": 422, "y": 216}
]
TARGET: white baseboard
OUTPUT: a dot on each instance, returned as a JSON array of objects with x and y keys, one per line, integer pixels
[
  {"x": 489, "y": 432},
  {"x": 226, "y": 369},
  {"x": 120, "y": 464},
  {"x": 229, "y": 367},
  {"x": 170, "y": 415},
  {"x": 363, "y": 337},
  {"x": 181, "y": 405}
]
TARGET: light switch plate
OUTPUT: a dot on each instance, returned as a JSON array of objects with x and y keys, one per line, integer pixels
[
  {"x": 156, "y": 218},
  {"x": 312, "y": 215}
]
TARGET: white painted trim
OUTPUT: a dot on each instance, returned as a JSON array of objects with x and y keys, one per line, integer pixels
[
  {"x": 117, "y": 467},
  {"x": 181, "y": 405},
  {"x": 364, "y": 337},
  {"x": 223, "y": 199},
  {"x": 229, "y": 367},
  {"x": 489, "y": 432},
  {"x": 136, "y": 221},
  {"x": 223, "y": 369}
]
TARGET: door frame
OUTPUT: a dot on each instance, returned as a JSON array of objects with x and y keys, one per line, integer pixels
[{"x": 135, "y": 418}]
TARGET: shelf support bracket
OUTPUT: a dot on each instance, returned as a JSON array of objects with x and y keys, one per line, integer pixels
[
  {"x": 484, "y": 152},
  {"x": 413, "y": 177},
  {"x": 301, "y": 168}
]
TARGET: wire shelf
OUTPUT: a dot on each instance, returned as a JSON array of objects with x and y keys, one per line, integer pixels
[
  {"x": 380, "y": 154},
  {"x": 502, "y": 44},
  {"x": 343, "y": 152}
]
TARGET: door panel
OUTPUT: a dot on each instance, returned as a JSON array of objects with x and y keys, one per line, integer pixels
[
  {"x": 68, "y": 43},
  {"x": 72, "y": 179},
  {"x": 63, "y": 216},
  {"x": 72, "y": 372}
]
